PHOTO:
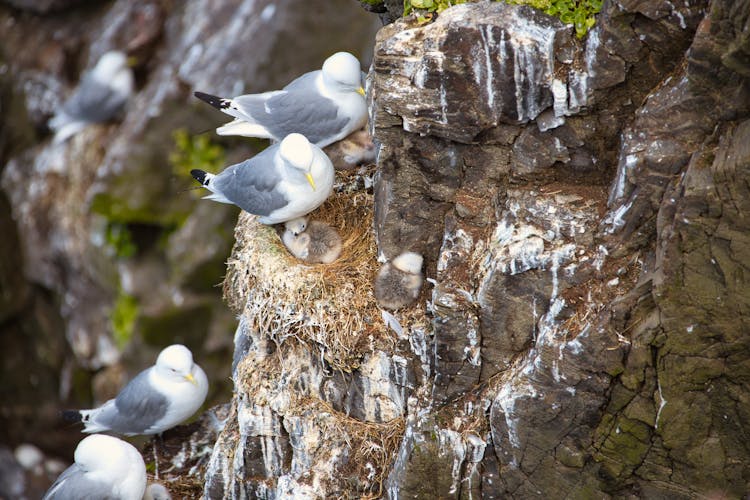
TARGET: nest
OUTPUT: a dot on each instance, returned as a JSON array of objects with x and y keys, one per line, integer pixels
[{"x": 331, "y": 305}]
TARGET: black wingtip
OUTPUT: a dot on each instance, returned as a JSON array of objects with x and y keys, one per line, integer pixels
[
  {"x": 215, "y": 101},
  {"x": 71, "y": 416},
  {"x": 199, "y": 175}
]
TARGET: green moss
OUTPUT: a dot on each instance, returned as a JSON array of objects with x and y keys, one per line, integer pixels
[
  {"x": 625, "y": 445},
  {"x": 119, "y": 239},
  {"x": 118, "y": 210},
  {"x": 579, "y": 13},
  {"x": 124, "y": 314},
  {"x": 194, "y": 151}
]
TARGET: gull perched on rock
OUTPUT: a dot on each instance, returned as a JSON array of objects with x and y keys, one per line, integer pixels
[
  {"x": 105, "y": 467},
  {"x": 102, "y": 93},
  {"x": 286, "y": 180},
  {"x": 157, "y": 399},
  {"x": 398, "y": 282},
  {"x": 312, "y": 241},
  {"x": 355, "y": 149},
  {"x": 324, "y": 105}
]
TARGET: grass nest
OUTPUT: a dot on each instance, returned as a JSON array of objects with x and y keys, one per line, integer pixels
[{"x": 331, "y": 305}]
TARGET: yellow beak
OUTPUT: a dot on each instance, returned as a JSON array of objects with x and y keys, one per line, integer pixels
[
  {"x": 361, "y": 91},
  {"x": 310, "y": 180},
  {"x": 132, "y": 61},
  {"x": 189, "y": 377}
]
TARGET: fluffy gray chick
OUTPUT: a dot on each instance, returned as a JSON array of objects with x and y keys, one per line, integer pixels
[
  {"x": 312, "y": 241},
  {"x": 399, "y": 281}
]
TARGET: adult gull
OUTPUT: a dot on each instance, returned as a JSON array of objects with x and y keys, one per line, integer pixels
[
  {"x": 159, "y": 398},
  {"x": 325, "y": 105},
  {"x": 105, "y": 467},
  {"x": 102, "y": 93},
  {"x": 284, "y": 181}
]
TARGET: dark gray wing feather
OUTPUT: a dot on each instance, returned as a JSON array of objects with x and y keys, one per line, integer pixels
[
  {"x": 296, "y": 108},
  {"x": 138, "y": 406},
  {"x": 73, "y": 483},
  {"x": 253, "y": 184}
]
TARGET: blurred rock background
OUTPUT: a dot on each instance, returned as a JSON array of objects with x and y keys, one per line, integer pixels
[{"x": 107, "y": 254}]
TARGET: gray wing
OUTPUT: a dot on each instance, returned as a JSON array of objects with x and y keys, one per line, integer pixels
[
  {"x": 253, "y": 184},
  {"x": 137, "y": 407},
  {"x": 93, "y": 101},
  {"x": 298, "y": 108},
  {"x": 73, "y": 483}
]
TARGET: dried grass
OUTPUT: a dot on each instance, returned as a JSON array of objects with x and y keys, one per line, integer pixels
[{"x": 331, "y": 305}]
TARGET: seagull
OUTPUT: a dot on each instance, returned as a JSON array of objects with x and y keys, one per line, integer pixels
[
  {"x": 355, "y": 149},
  {"x": 102, "y": 94},
  {"x": 312, "y": 241},
  {"x": 157, "y": 399},
  {"x": 324, "y": 105},
  {"x": 286, "y": 180},
  {"x": 105, "y": 467},
  {"x": 398, "y": 282}
]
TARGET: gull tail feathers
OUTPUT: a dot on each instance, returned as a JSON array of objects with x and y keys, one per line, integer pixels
[
  {"x": 244, "y": 128},
  {"x": 205, "y": 179},
  {"x": 67, "y": 130},
  {"x": 73, "y": 416},
  {"x": 84, "y": 417},
  {"x": 217, "y": 102},
  {"x": 201, "y": 176}
]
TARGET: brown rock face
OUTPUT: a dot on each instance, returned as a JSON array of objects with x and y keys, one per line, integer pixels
[{"x": 583, "y": 343}]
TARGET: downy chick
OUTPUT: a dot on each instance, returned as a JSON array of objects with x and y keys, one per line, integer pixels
[
  {"x": 312, "y": 241},
  {"x": 399, "y": 281},
  {"x": 351, "y": 151}
]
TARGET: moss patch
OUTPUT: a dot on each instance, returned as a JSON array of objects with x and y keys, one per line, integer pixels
[
  {"x": 124, "y": 314},
  {"x": 579, "y": 13}
]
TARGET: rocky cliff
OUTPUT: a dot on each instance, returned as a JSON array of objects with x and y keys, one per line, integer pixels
[
  {"x": 580, "y": 207},
  {"x": 580, "y": 204}
]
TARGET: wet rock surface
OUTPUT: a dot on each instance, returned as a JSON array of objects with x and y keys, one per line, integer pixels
[
  {"x": 580, "y": 208},
  {"x": 543, "y": 313}
]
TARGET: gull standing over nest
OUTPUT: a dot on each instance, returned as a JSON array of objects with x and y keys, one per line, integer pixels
[
  {"x": 325, "y": 105},
  {"x": 285, "y": 181}
]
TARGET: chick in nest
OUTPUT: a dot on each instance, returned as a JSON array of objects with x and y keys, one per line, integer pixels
[
  {"x": 312, "y": 241},
  {"x": 353, "y": 150},
  {"x": 399, "y": 281}
]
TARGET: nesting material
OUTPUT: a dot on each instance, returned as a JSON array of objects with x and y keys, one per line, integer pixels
[
  {"x": 398, "y": 282},
  {"x": 354, "y": 150},
  {"x": 332, "y": 306},
  {"x": 312, "y": 241}
]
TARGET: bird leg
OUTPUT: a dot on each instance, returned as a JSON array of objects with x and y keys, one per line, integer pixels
[{"x": 155, "y": 442}]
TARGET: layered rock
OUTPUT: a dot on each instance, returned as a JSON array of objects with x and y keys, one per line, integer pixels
[{"x": 578, "y": 206}]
